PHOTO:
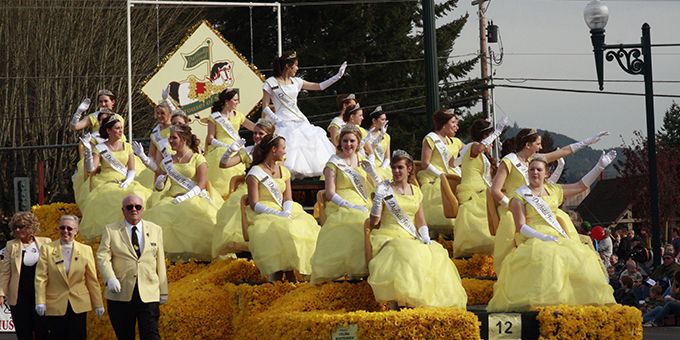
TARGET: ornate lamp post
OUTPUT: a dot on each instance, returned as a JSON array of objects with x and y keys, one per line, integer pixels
[{"x": 634, "y": 59}]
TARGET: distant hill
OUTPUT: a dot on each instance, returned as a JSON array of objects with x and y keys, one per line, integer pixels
[{"x": 579, "y": 163}]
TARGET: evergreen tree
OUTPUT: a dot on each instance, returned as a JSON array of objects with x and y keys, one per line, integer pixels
[{"x": 670, "y": 131}]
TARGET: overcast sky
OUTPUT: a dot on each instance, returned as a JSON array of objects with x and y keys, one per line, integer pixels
[{"x": 549, "y": 39}]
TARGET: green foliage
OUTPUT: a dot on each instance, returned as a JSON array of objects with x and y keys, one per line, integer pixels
[{"x": 670, "y": 131}]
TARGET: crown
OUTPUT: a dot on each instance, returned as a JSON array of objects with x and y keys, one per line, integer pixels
[
  {"x": 350, "y": 128},
  {"x": 401, "y": 153}
]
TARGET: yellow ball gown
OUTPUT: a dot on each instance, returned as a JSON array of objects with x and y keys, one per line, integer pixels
[
  {"x": 539, "y": 273},
  {"x": 187, "y": 226},
  {"x": 280, "y": 243},
  {"x": 471, "y": 234},
  {"x": 103, "y": 203},
  {"x": 430, "y": 185},
  {"x": 340, "y": 247},
  {"x": 405, "y": 270},
  {"x": 159, "y": 145},
  {"x": 384, "y": 173},
  {"x": 220, "y": 178}
]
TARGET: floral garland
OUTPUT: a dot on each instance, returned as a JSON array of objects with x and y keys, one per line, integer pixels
[
  {"x": 49, "y": 215},
  {"x": 478, "y": 266},
  {"x": 479, "y": 292},
  {"x": 590, "y": 322}
]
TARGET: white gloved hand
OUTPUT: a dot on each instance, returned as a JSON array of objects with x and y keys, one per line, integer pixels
[
  {"x": 138, "y": 149},
  {"x": 40, "y": 309},
  {"x": 236, "y": 145},
  {"x": 84, "y": 105},
  {"x": 263, "y": 209},
  {"x": 113, "y": 285},
  {"x": 189, "y": 194},
  {"x": 163, "y": 299},
  {"x": 217, "y": 143},
  {"x": 288, "y": 208},
  {"x": 383, "y": 130},
  {"x": 433, "y": 169},
  {"x": 99, "y": 311},
  {"x": 424, "y": 233},
  {"x": 606, "y": 159},
  {"x": 500, "y": 125},
  {"x": 532, "y": 233},
  {"x": 588, "y": 141},
  {"x": 129, "y": 177},
  {"x": 370, "y": 171},
  {"x": 595, "y": 172},
  {"x": 505, "y": 201},
  {"x": 385, "y": 163},
  {"x": 159, "y": 184},
  {"x": 376, "y": 209},
  {"x": 165, "y": 93},
  {"x": 86, "y": 139},
  {"x": 270, "y": 115},
  {"x": 87, "y": 152},
  {"x": 332, "y": 80}
]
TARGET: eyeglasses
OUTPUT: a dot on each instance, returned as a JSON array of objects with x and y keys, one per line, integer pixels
[
  {"x": 19, "y": 227},
  {"x": 65, "y": 227},
  {"x": 137, "y": 207}
]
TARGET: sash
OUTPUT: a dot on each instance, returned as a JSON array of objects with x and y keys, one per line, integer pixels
[
  {"x": 443, "y": 151},
  {"x": 161, "y": 143},
  {"x": 542, "y": 208},
  {"x": 268, "y": 183},
  {"x": 226, "y": 126},
  {"x": 352, "y": 174},
  {"x": 285, "y": 99},
  {"x": 107, "y": 155},
  {"x": 486, "y": 175},
  {"x": 394, "y": 209},
  {"x": 377, "y": 145},
  {"x": 519, "y": 166},
  {"x": 176, "y": 176}
]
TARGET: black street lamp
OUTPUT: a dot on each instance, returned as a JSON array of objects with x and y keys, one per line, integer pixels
[{"x": 634, "y": 59}]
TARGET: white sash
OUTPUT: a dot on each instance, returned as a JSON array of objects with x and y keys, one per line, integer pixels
[
  {"x": 285, "y": 99},
  {"x": 107, "y": 155},
  {"x": 377, "y": 146},
  {"x": 268, "y": 183},
  {"x": 541, "y": 208},
  {"x": 352, "y": 174},
  {"x": 519, "y": 166},
  {"x": 161, "y": 143},
  {"x": 486, "y": 175},
  {"x": 176, "y": 176},
  {"x": 226, "y": 126},
  {"x": 444, "y": 152},
  {"x": 394, "y": 209}
]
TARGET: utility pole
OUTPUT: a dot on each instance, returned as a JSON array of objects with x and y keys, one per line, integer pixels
[
  {"x": 431, "y": 67},
  {"x": 483, "y": 55}
]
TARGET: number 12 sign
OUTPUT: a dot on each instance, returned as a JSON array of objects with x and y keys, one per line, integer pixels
[{"x": 505, "y": 326}]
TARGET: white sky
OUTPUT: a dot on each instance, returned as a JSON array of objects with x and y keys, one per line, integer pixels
[{"x": 557, "y": 27}]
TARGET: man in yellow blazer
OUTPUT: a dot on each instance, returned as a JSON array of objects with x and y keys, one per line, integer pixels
[
  {"x": 132, "y": 262},
  {"x": 66, "y": 285}
]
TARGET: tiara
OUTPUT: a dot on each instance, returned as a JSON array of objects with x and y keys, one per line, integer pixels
[
  {"x": 378, "y": 109},
  {"x": 532, "y": 132},
  {"x": 180, "y": 128},
  {"x": 265, "y": 122},
  {"x": 104, "y": 92},
  {"x": 450, "y": 112},
  {"x": 350, "y": 96},
  {"x": 401, "y": 153},
  {"x": 350, "y": 128},
  {"x": 353, "y": 108},
  {"x": 293, "y": 55},
  {"x": 111, "y": 120},
  {"x": 274, "y": 137}
]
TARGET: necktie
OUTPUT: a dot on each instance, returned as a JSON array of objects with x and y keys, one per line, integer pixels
[{"x": 135, "y": 241}]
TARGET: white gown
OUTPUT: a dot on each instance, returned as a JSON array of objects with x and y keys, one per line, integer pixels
[{"x": 307, "y": 147}]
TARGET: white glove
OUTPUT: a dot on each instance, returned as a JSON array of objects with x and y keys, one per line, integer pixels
[
  {"x": 165, "y": 94},
  {"x": 376, "y": 209},
  {"x": 138, "y": 149},
  {"x": 263, "y": 209},
  {"x": 129, "y": 177},
  {"x": 99, "y": 311},
  {"x": 159, "y": 184},
  {"x": 505, "y": 201},
  {"x": 236, "y": 145},
  {"x": 40, "y": 309},
  {"x": 344, "y": 203},
  {"x": 385, "y": 163},
  {"x": 424, "y": 233},
  {"x": 163, "y": 299},
  {"x": 433, "y": 169},
  {"x": 555, "y": 176},
  {"x": 595, "y": 172},
  {"x": 588, "y": 141},
  {"x": 87, "y": 152},
  {"x": 370, "y": 171},
  {"x": 383, "y": 130},
  {"x": 84, "y": 105},
  {"x": 288, "y": 207},
  {"x": 332, "y": 80},
  {"x": 113, "y": 285},
  {"x": 270, "y": 115},
  {"x": 217, "y": 143},
  {"x": 189, "y": 194},
  {"x": 532, "y": 233}
]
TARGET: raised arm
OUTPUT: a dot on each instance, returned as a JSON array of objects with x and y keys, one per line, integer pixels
[
  {"x": 587, "y": 180},
  {"x": 497, "y": 185},
  {"x": 573, "y": 147},
  {"x": 306, "y": 85}
]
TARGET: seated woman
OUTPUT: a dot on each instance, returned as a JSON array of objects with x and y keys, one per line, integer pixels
[
  {"x": 407, "y": 269},
  {"x": 223, "y": 126},
  {"x": 471, "y": 235},
  {"x": 379, "y": 140},
  {"x": 187, "y": 212},
  {"x": 115, "y": 180},
  {"x": 344, "y": 101},
  {"x": 339, "y": 249},
  {"x": 550, "y": 265},
  {"x": 81, "y": 186},
  {"x": 440, "y": 148},
  {"x": 308, "y": 146},
  {"x": 228, "y": 232},
  {"x": 282, "y": 235}
]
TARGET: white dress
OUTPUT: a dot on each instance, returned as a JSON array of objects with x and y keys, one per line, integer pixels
[{"x": 307, "y": 147}]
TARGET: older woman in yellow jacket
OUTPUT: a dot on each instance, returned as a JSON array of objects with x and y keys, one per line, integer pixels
[
  {"x": 66, "y": 286},
  {"x": 17, "y": 274}
]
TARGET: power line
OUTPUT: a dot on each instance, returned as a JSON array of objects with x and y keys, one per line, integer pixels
[
  {"x": 537, "y": 88},
  {"x": 577, "y": 80}
]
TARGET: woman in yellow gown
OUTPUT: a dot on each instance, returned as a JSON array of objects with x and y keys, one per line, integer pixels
[
  {"x": 187, "y": 212},
  {"x": 512, "y": 173},
  {"x": 440, "y": 148},
  {"x": 223, "y": 126},
  {"x": 281, "y": 234},
  {"x": 407, "y": 268},
  {"x": 339, "y": 249},
  {"x": 344, "y": 101},
  {"x": 550, "y": 265},
  {"x": 380, "y": 140},
  {"x": 228, "y": 232},
  {"x": 115, "y": 180}
]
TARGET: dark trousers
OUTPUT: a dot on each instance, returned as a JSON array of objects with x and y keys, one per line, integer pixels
[
  {"x": 124, "y": 315},
  {"x": 70, "y": 326},
  {"x": 27, "y": 323}
]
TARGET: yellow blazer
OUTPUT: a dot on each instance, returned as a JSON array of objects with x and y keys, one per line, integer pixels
[
  {"x": 10, "y": 269},
  {"x": 116, "y": 258},
  {"x": 54, "y": 288}
]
